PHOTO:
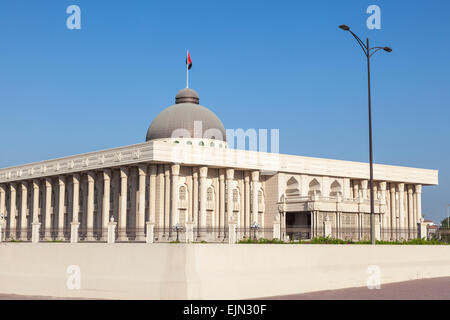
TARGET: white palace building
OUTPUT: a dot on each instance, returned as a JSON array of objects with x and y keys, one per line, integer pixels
[{"x": 190, "y": 186}]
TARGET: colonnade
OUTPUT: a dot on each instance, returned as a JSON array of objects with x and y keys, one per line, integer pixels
[
  {"x": 80, "y": 206},
  {"x": 403, "y": 203}
]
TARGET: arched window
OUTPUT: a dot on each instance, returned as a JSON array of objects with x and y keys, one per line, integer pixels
[
  {"x": 182, "y": 193},
  {"x": 189, "y": 143},
  {"x": 314, "y": 187},
  {"x": 201, "y": 143},
  {"x": 335, "y": 189},
  {"x": 209, "y": 194},
  {"x": 292, "y": 188},
  {"x": 260, "y": 197},
  {"x": 176, "y": 141},
  {"x": 211, "y": 144}
]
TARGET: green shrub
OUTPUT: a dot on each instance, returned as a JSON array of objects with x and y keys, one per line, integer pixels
[{"x": 330, "y": 240}]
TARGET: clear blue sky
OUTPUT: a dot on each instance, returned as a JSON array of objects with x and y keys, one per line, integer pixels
[{"x": 256, "y": 64}]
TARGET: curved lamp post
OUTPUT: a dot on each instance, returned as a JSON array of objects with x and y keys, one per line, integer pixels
[{"x": 369, "y": 52}]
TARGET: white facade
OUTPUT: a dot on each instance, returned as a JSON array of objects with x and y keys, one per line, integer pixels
[{"x": 190, "y": 183}]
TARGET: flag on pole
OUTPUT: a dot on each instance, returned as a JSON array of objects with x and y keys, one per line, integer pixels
[{"x": 188, "y": 61}]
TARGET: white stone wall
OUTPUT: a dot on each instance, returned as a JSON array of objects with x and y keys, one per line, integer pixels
[{"x": 168, "y": 271}]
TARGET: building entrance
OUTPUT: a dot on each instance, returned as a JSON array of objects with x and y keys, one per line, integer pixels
[{"x": 298, "y": 225}]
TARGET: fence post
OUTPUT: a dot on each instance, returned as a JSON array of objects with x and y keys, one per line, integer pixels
[
  {"x": 112, "y": 231},
  {"x": 74, "y": 232},
  {"x": 150, "y": 237},
  {"x": 377, "y": 231},
  {"x": 231, "y": 232},
  {"x": 327, "y": 227},
  {"x": 422, "y": 229},
  {"x": 276, "y": 230},
  {"x": 189, "y": 232},
  {"x": 35, "y": 230}
]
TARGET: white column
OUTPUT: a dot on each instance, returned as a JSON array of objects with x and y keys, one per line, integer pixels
[
  {"x": 255, "y": 189},
  {"x": 90, "y": 207},
  {"x": 35, "y": 201},
  {"x": 2, "y": 202},
  {"x": 75, "y": 209},
  {"x": 175, "y": 212},
  {"x": 248, "y": 220},
  {"x": 195, "y": 197},
  {"x": 222, "y": 200},
  {"x": 411, "y": 225},
  {"x": 167, "y": 216},
  {"x": 189, "y": 215},
  {"x": 23, "y": 211},
  {"x": 230, "y": 213},
  {"x": 202, "y": 195},
  {"x": 401, "y": 208},
  {"x": 393, "y": 212},
  {"x": 106, "y": 203},
  {"x": 418, "y": 203},
  {"x": 48, "y": 205},
  {"x": 385, "y": 220},
  {"x": 123, "y": 204},
  {"x": 140, "y": 221},
  {"x": 12, "y": 211},
  {"x": 152, "y": 196},
  {"x": 61, "y": 206},
  {"x": 76, "y": 199}
]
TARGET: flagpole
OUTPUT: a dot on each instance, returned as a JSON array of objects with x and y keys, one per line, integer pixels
[{"x": 187, "y": 70}]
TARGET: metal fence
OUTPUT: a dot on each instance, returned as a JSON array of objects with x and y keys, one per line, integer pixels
[
  {"x": 441, "y": 234},
  {"x": 53, "y": 234},
  {"x": 385, "y": 234},
  {"x": 399, "y": 234},
  {"x": 221, "y": 235},
  {"x": 296, "y": 233}
]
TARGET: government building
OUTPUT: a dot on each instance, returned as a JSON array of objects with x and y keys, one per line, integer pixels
[{"x": 184, "y": 183}]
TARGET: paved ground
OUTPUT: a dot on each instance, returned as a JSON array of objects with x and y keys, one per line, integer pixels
[
  {"x": 19, "y": 297},
  {"x": 426, "y": 289}
]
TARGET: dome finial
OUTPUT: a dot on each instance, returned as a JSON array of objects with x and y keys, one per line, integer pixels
[{"x": 187, "y": 95}]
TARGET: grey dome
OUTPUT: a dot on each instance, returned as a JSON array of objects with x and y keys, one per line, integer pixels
[{"x": 182, "y": 115}]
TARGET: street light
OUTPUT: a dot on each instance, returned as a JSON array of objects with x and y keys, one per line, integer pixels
[
  {"x": 178, "y": 228},
  {"x": 369, "y": 52},
  {"x": 254, "y": 227}
]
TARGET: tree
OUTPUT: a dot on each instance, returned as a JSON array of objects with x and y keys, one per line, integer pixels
[{"x": 445, "y": 223}]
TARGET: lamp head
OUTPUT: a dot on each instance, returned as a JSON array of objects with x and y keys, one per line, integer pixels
[
  {"x": 344, "y": 27},
  {"x": 387, "y": 49}
]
